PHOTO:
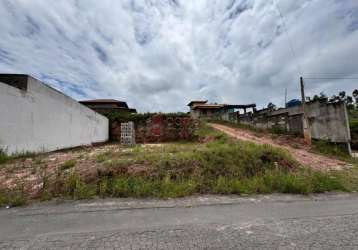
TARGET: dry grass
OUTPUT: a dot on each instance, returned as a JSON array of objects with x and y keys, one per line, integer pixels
[{"x": 214, "y": 165}]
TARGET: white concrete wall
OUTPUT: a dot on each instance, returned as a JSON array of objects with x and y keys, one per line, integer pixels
[
  {"x": 42, "y": 119},
  {"x": 328, "y": 121}
]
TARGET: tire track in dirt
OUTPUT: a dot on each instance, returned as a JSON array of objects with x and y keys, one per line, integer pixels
[{"x": 301, "y": 153}]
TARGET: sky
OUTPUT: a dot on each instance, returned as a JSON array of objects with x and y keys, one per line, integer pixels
[{"x": 157, "y": 55}]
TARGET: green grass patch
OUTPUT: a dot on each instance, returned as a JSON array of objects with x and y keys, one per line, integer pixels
[
  {"x": 218, "y": 166},
  {"x": 334, "y": 150},
  {"x": 5, "y": 158},
  {"x": 353, "y": 124},
  {"x": 68, "y": 164},
  {"x": 212, "y": 168},
  {"x": 14, "y": 197}
]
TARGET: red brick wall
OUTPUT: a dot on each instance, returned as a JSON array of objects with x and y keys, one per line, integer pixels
[{"x": 160, "y": 128}]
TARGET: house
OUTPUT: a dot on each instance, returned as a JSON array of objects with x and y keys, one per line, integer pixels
[
  {"x": 205, "y": 110},
  {"x": 105, "y": 106}
]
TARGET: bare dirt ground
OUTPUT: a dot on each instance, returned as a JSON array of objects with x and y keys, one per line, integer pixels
[
  {"x": 32, "y": 171},
  {"x": 295, "y": 146}
]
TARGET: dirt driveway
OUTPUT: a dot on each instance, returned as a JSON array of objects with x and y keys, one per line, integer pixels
[{"x": 294, "y": 145}]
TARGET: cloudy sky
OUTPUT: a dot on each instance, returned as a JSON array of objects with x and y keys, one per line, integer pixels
[{"x": 159, "y": 54}]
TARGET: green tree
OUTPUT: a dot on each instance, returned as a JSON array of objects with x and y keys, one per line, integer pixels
[
  {"x": 271, "y": 106},
  {"x": 355, "y": 95}
]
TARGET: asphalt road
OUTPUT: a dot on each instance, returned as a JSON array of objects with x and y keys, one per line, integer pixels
[{"x": 209, "y": 222}]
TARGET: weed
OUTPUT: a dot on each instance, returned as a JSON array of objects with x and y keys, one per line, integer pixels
[
  {"x": 14, "y": 197},
  {"x": 33, "y": 170},
  {"x": 332, "y": 149},
  {"x": 219, "y": 166},
  {"x": 4, "y": 157},
  {"x": 38, "y": 161},
  {"x": 77, "y": 189},
  {"x": 104, "y": 156},
  {"x": 68, "y": 164}
]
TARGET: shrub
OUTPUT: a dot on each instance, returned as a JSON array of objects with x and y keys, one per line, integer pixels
[
  {"x": 68, "y": 164},
  {"x": 3, "y": 156},
  {"x": 14, "y": 197},
  {"x": 75, "y": 188},
  {"x": 330, "y": 149}
]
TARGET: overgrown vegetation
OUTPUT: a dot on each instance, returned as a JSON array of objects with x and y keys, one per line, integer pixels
[
  {"x": 221, "y": 166},
  {"x": 137, "y": 118},
  {"x": 14, "y": 197},
  {"x": 336, "y": 150},
  {"x": 217, "y": 165},
  {"x": 4, "y": 157},
  {"x": 68, "y": 164},
  {"x": 353, "y": 123}
]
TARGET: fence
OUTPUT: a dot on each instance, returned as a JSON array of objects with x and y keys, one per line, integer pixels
[
  {"x": 159, "y": 128},
  {"x": 327, "y": 121}
]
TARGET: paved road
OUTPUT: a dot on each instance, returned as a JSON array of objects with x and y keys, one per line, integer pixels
[{"x": 209, "y": 222}]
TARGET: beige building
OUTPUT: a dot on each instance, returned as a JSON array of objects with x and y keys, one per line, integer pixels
[{"x": 205, "y": 110}]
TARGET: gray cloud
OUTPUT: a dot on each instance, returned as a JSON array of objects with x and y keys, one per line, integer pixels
[{"x": 159, "y": 54}]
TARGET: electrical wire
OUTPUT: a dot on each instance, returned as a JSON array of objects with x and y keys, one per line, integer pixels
[
  {"x": 330, "y": 78},
  {"x": 288, "y": 37}
]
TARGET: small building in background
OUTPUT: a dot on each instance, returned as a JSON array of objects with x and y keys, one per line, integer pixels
[
  {"x": 205, "y": 110},
  {"x": 105, "y": 106}
]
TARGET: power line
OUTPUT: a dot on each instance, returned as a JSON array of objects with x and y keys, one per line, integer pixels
[
  {"x": 331, "y": 78},
  {"x": 288, "y": 37},
  {"x": 337, "y": 73}
]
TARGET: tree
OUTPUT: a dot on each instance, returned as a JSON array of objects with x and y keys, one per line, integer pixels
[
  {"x": 315, "y": 98},
  {"x": 271, "y": 106},
  {"x": 322, "y": 96},
  {"x": 355, "y": 95},
  {"x": 342, "y": 95},
  {"x": 350, "y": 102}
]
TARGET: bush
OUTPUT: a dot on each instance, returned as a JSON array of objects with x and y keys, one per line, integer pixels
[
  {"x": 354, "y": 132},
  {"x": 14, "y": 197},
  {"x": 330, "y": 149},
  {"x": 221, "y": 166},
  {"x": 3, "y": 156},
  {"x": 68, "y": 164}
]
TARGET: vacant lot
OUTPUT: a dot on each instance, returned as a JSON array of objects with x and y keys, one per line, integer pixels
[
  {"x": 213, "y": 164},
  {"x": 305, "y": 155}
]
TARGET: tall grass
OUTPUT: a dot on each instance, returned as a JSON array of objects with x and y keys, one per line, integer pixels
[
  {"x": 4, "y": 157},
  {"x": 218, "y": 167}
]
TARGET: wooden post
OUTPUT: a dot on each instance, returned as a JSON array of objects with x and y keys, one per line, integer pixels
[{"x": 306, "y": 128}]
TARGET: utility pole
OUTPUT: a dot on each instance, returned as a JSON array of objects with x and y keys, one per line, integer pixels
[
  {"x": 285, "y": 97},
  {"x": 306, "y": 128}
]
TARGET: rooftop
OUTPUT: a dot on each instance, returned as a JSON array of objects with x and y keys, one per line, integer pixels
[
  {"x": 101, "y": 101},
  {"x": 193, "y": 102},
  {"x": 208, "y": 106}
]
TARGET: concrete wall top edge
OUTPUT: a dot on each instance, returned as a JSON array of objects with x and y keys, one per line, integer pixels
[{"x": 32, "y": 80}]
